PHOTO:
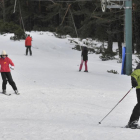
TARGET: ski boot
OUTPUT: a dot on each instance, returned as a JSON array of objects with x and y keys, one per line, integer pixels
[
  {"x": 4, "y": 91},
  {"x": 133, "y": 125},
  {"x": 16, "y": 92}
]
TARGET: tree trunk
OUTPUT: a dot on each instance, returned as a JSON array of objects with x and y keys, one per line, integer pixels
[
  {"x": 110, "y": 39},
  {"x": 137, "y": 32},
  {"x": 119, "y": 39},
  {"x": 3, "y": 3},
  {"x": 119, "y": 44}
]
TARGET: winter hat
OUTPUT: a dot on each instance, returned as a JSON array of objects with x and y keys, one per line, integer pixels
[
  {"x": 3, "y": 52},
  {"x": 84, "y": 41}
]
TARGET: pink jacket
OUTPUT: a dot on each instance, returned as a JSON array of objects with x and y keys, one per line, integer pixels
[{"x": 4, "y": 64}]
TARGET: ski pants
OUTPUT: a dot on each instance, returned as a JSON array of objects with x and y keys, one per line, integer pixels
[
  {"x": 6, "y": 76},
  {"x": 136, "y": 111},
  {"x": 81, "y": 65},
  {"x": 28, "y": 48}
]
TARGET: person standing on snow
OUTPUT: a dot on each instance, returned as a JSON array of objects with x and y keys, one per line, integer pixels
[
  {"x": 84, "y": 56},
  {"x": 135, "y": 80},
  {"x": 28, "y": 44},
  {"x": 5, "y": 61}
]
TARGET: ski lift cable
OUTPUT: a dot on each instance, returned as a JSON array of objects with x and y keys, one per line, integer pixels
[
  {"x": 68, "y": 9},
  {"x": 75, "y": 27},
  {"x": 21, "y": 17},
  {"x": 20, "y": 13},
  {"x": 52, "y": 1},
  {"x": 65, "y": 14},
  {"x": 65, "y": 1}
]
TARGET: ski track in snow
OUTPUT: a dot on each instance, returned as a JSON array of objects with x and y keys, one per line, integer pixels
[{"x": 57, "y": 102}]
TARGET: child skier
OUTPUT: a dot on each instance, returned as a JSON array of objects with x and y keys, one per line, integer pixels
[
  {"x": 84, "y": 56},
  {"x": 135, "y": 80},
  {"x": 5, "y": 61}
]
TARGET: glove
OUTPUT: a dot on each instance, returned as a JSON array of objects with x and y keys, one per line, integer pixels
[
  {"x": 133, "y": 82},
  {"x": 12, "y": 67}
]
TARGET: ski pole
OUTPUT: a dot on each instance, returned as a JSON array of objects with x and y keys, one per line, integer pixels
[{"x": 115, "y": 105}]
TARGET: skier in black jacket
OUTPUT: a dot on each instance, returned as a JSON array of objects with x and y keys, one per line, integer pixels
[{"x": 84, "y": 56}]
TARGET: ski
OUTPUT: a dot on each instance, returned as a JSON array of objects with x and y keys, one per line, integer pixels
[
  {"x": 132, "y": 127},
  {"x": 124, "y": 127},
  {"x": 17, "y": 93},
  {"x": 5, "y": 94}
]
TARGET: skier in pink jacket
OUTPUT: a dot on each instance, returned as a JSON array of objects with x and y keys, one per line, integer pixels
[{"x": 5, "y": 61}]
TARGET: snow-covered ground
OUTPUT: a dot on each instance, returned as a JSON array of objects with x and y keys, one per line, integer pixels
[{"x": 58, "y": 102}]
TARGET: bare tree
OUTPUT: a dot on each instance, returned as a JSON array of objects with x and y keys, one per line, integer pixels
[{"x": 2, "y": 6}]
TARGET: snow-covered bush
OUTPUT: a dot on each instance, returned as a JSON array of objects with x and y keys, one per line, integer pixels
[
  {"x": 107, "y": 55},
  {"x": 112, "y": 71},
  {"x": 18, "y": 35}
]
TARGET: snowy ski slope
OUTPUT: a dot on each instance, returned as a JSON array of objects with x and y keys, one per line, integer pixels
[{"x": 58, "y": 102}]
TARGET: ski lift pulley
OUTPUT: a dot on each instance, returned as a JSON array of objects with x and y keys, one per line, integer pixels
[
  {"x": 103, "y": 5},
  {"x": 112, "y": 4}
]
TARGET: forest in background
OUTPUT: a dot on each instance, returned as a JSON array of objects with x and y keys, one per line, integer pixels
[{"x": 63, "y": 17}]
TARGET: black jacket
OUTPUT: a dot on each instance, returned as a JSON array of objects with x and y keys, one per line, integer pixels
[{"x": 85, "y": 53}]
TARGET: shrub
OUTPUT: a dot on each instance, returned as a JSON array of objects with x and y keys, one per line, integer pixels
[
  {"x": 107, "y": 55},
  {"x": 10, "y": 27},
  {"x": 112, "y": 71},
  {"x": 66, "y": 30}
]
